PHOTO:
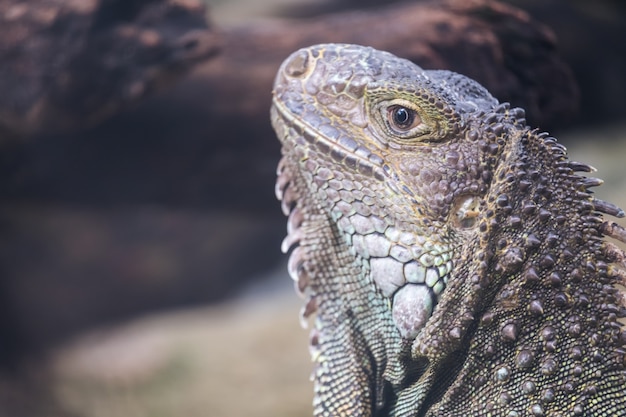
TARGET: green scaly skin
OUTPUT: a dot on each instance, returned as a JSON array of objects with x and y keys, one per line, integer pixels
[{"x": 454, "y": 259}]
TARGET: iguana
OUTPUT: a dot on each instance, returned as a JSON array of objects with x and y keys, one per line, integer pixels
[{"x": 454, "y": 260}]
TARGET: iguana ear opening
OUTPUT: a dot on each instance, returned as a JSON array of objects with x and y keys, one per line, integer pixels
[{"x": 464, "y": 214}]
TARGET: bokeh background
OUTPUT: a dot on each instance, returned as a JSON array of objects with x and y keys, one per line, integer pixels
[{"x": 140, "y": 265}]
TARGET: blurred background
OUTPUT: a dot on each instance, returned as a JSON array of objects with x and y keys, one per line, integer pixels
[{"x": 140, "y": 264}]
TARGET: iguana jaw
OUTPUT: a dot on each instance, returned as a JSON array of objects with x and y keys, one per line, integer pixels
[{"x": 407, "y": 267}]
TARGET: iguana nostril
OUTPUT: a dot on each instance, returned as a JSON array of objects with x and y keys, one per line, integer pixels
[{"x": 297, "y": 64}]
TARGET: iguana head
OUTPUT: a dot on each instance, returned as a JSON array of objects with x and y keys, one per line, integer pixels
[{"x": 397, "y": 158}]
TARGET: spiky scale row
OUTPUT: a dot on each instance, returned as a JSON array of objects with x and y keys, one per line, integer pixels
[{"x": 455, "y": 262}]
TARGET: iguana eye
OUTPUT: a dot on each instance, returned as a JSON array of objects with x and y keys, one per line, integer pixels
[
  {"x": 402, "y": 118},
  {"x": 402, "y": 121}
]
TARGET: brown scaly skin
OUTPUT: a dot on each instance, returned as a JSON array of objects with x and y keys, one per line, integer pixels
[{"x": 453, "y": 258}]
